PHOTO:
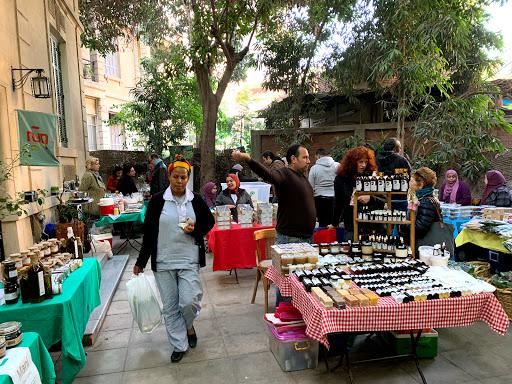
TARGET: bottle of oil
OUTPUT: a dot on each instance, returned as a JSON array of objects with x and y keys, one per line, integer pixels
[
  {"x": 36, "y": 280},
  {"x": 80, "y": 249},
  {"x": 71, "y": 244}
]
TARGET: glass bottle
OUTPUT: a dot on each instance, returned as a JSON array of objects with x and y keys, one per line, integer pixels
[
  {"x": 373, "y": 182},
  {"x": 396, "y": 183},
  {"x": 24, "y": 287},
  {"x": 381, "y": 183},
  {"x": 389, "y": 183},
  {"x": 71, "y": 244},
  {"x": 36, "y": 280},
  {"x": 48, "y": 283},
  {"x": 404, "y": 183},
  {"x": 359, "y": 182},
  {"x": 80, "y": 249},
  {"x": 366, "y": 183},
  {"x": 11, "y": 292}
]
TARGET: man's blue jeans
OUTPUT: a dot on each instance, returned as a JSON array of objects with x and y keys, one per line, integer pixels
[{"x": 285, "y": 239}]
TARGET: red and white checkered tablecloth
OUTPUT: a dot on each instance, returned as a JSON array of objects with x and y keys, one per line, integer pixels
[
  {"x": 282, "y": 282},
  {"x": 442, "y": 313}
]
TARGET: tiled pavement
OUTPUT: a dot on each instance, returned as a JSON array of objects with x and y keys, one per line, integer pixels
[{"x": 233, "y": 347}]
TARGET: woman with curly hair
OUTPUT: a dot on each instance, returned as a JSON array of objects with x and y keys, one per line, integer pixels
[{"x": 356, "y": 161}]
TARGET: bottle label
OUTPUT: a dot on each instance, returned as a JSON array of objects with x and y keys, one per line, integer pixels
[
  {"x": 367, "y": 186},
  {"x": 389, "y": 186},
  {"x": 405, "y": 186},
  {"x": 380, "y": 186},
  {"x": 359, "y": 185},
  {"x": 373, "y": 186},
  {"x": 40, "y": 278},
  {"x": 396, "y": 185},
  {"x": 11, "y": 296},
  {"x": 76, "y": 249},
  {"x": 13, "y": 273}
]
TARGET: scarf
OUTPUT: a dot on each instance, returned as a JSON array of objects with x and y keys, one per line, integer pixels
[
  {"x": 450, "y": 190},
  {"x": 237, "y": 182},
  {"x": 97, "y": 174},
  {"x": 494, "y": 180},
  {"x": 427, "y": 191},
  {"x": 211, "y": 198}
]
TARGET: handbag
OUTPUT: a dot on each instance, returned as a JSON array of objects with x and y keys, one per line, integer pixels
[{"x": 439, "y": 233}]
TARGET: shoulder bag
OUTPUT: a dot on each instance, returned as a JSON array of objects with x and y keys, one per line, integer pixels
[{"x": 438, "y": 233}]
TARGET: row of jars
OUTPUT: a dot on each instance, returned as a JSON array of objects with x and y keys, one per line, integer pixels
[{"x": 42, "y": 249}]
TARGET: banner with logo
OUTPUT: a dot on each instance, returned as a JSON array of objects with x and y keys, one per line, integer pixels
[{"x": 38, "y": 128}]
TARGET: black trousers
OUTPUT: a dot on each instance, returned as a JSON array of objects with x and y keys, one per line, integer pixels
[{"x": 324, "y": 206}]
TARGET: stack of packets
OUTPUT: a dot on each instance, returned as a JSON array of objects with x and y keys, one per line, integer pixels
[
  {"x": 223, "y": 217},
  {"x": 265, "y": 214},
  {"x": 245, "y": 215},
  {"x": 329, "y": 297},
  {"x": 287, "y": 256},
  {"x": 275, "y": 206}
]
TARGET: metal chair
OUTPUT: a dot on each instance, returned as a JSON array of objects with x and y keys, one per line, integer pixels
[{"x": 268, "y": 237}]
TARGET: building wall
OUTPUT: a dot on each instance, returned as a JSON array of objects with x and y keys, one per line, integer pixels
[
  {"x": 105, "y": 93},
  {"x": 25, "y": 30}
]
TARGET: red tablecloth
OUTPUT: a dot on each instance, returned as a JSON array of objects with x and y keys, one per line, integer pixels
[
  {"x": 233, "y": 248},
  {"x": 442, "y": 313}
]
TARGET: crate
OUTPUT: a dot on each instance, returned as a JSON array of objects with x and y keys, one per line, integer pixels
[
  {"x": 293, "y": 350},
  {"x": 400, "y": 343},
  {"x": 499, "y": 261}
]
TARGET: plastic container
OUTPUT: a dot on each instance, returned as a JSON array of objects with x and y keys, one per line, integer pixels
[
  {"x": 106, "y": 206},
  {"x": 439, "y": 261},
  {"x": 293, "y": 350},
  {"x": 400, "y": 343},
  {"x": 426, "y": 252}
]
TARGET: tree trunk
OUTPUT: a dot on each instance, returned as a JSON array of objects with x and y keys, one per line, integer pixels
[{"x": 210, "y": 109}]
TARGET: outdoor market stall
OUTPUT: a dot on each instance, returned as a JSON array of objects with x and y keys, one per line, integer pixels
[
  {"x": 64, "y": 317},
  {"x": 40, "y": 357}
]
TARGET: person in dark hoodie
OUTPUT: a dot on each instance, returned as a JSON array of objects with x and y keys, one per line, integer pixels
[{"x": 389, "y": 159}]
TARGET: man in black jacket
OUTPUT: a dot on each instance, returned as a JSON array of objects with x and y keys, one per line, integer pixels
[
  {"x": 160, "y": 177},
  {"x": 389, "y": 159}
]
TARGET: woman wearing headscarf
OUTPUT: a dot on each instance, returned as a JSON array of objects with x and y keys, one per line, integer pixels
[
  {"x": 210, "y": 194},
  {"x": 93, "y": 183},
  {"x": 114, "y": 178},
  {"x": 126, "y": 184},
  {"x": 495, "y": 192},
  {"x": 233, "y": 195},
  {"x": 176, "y": 221},
  {"x": 455, "y": 191}
]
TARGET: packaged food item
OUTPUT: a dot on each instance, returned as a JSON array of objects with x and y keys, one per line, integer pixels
[
  {"x": 351, "y": 301},
  {"x": 374, "y": 299},
  {"x": 11, "y": 331},
  {"x": 9, "y": 270},
  {"x": 11, "y": 292},
  {"x": 3, "y": 347},
  {"x": 363, "y": 300}
]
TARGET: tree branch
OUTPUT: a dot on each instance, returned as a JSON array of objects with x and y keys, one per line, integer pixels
[{"x": 217, "y": 35}]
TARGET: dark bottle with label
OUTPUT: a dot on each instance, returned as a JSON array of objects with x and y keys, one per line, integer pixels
[
  {"x": 404, "y": 183},
  {"x": 36, "y": 280},
  {"x": 48, "y": 283},
  {"x": 359, "y": 182},
  {"x": 381, "y": 183},
  {"x": 80, "y": 249},
  {"x": 24, "y": 288},
  {"x": 373, "y": 182},
  {"x": 11, "y": 293},
  {"x": 389, "y": 183},
  {"x": 396, "y": 183},
  {"x": 366, "y": 183}
]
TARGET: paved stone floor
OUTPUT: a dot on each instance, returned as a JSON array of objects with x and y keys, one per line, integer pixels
[{"x": 233, "y": 347}]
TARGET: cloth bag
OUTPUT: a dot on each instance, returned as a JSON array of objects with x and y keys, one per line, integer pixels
[
  {"x": 438, "y": 233},
  {"x": 143, "y": 303}
]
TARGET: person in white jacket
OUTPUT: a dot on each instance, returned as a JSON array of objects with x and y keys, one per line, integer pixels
[{"x": 321, "y": 178}]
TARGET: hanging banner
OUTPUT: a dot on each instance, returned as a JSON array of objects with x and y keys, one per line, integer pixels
[{"x": 38, "y": 128}]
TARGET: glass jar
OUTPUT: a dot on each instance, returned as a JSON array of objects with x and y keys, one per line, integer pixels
[
  {"x": 41, "y": 250},
  {"x": 324, "y": 248},
  {"x": 11, "y": 292},
  {"x": 9, "y": 270},
  {"x": 345, "y": 248},
  {"x": 47, "y": 248},
  {"x": 11, "y": 331},
  {"x": 334, "y": 248},
  {"x": 367, "y": 248},
  {"x": 25, "y": 259},
  {"x": 3, "y": 347},
  {"x": 54, "y": 247}
]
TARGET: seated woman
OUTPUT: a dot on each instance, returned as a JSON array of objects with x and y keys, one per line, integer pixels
[
  {"x": 356, "y": 161},
  {"x": 210, "y": 194},
  {"x": 126, "y": 184},
  {"x": 495, "y": 192},
  {"x": 233, "y": 195},
  {"x": 422, "y": 183},
  {"x": 114, "y": 178},
  {"x": 455, "y": 191}
]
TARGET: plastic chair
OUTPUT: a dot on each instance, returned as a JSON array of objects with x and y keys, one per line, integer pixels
[{"x": 268, "y": 235}]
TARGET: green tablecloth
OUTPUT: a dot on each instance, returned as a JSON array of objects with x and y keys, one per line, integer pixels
[
  {"x": 64, "y": 317},
  {"x": 484, "y": 240},
  {"x": 40, "y": 356},
  {"x": 123, "y": 218}
]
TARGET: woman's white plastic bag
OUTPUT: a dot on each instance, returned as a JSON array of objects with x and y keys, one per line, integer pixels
[{"x": 143, "y": 303}]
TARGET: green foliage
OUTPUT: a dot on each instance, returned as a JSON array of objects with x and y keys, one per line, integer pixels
[
  {"x": 66, "y": 213},
  {"x": 105, "y": 21},
  {"x": 342, "y": 146},
  {"x": 463, "y": 134},
  {"x": 166, "y": 105},
  {"x": 15, "y": 205}
]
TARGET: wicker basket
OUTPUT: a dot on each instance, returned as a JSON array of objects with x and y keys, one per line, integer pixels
[
  {"x": 482, "y": 269},
  {"x": 504, "y": 296}
]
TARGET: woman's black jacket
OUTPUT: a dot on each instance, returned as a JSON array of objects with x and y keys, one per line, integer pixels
[
  {"x": 204, "y": 222},
  {"x": 426, "y": 215}
]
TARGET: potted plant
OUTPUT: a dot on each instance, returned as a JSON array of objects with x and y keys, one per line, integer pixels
[{"x": 68, "y": 217}]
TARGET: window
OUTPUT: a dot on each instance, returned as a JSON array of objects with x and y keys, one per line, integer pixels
[
  {"x": 117, "y": 139},
  {"x": 59, "y": 91},
  {"x": 112, "y": 65},
  {"x": 91, "y": 131}
]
